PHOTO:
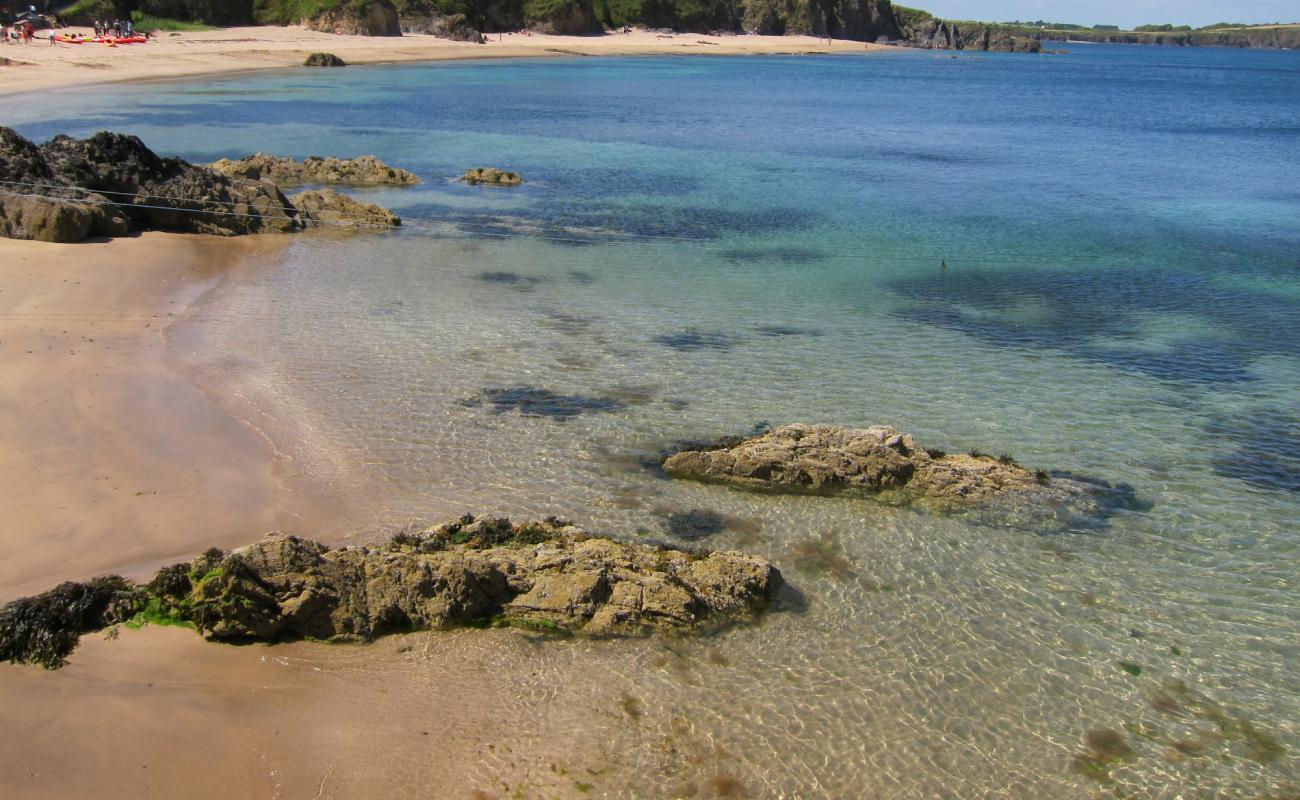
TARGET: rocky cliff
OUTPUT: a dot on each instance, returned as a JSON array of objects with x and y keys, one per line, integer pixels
[{"x": 371, "y": 18}]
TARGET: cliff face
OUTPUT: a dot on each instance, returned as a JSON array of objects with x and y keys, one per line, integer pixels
[
  {"x": 375, "y": 18},
  {"x": 938, "y": 34}
]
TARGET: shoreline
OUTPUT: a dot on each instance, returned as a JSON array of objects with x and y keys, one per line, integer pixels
[
  {"x": 114, "y": 459},
  {"x": 232, "y": 51}
]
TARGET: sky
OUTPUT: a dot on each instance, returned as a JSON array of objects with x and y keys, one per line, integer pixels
[{"x": 1125, "y": 13}]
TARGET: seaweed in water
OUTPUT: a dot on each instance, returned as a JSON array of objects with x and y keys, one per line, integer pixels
[
  {"x": 522, "y": 283},
  {"x": 695, "y": 524},
  {"x": 1243, "y": 325},
  {"x": 773, "y": 255},
  {"x": 692, "y": 340},
  {"x": 1263, "y": 449},
  {"x": 787, "y": 330},
  {"x": 531, "y": 401}
]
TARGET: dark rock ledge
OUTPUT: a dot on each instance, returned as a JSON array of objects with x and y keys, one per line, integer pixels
[
  {"x": 546, "y": 576},
  {"x": 111, "y": 184}
]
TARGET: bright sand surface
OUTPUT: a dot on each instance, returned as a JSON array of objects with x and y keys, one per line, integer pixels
[
  {"x": 236, "y": 49},
  {"x": 110, "y": 460}
]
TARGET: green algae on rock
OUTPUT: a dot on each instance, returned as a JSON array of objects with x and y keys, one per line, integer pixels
[{"x": 547, "y": 576}]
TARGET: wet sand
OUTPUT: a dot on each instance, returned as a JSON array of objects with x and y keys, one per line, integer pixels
[
  {"x": 39, "y": 66},
  {"x": 110, "y": 460}
]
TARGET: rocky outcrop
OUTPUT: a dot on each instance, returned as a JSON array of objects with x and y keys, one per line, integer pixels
[
  {"x": 330, "y": 209},
  {"x": 374, "y": 18},
  {"x": 449, "y": 26},
  {"x": 562, "y": 17},
  {"x": 360, "y": 171},
  {"x": 110, "y": 184},
  {"x": 492, "y": 177},
  {"x": 884, "y": 463},
  {"x": 545, "y": 576},
  {"x": 324, "y": 60},
  {"x": 861, "y": 20},
  {"x": 938, "y": 34}
]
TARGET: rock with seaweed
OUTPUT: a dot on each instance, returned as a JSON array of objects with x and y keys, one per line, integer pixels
[
  {"x": 545, "y": 576},
  {"x": 44, "y": 629},
  {"x": 491, "y": 176},
  {"x": 886, "y": 464},
  {"x": 359, "y": 171}
]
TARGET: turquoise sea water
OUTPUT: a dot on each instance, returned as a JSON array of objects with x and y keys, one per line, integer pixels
[{"x": 1088, "y": 261}]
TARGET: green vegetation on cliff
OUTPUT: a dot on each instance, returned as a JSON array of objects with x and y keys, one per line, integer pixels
[{"x": 863, "y": 20}]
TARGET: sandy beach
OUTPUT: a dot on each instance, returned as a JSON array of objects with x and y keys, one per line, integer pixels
[
  {"x": 112, "y": 460},
  {"x": 39, "y": 66}
]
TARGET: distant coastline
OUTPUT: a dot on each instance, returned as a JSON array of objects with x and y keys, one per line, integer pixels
[{"x": 191, "y": 54}]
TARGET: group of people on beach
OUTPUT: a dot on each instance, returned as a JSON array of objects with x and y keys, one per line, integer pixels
[
  {"x": 18, "y": 32},
  {"x": 118, "y": 28}
]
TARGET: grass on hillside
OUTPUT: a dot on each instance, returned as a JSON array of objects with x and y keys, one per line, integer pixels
[{"x": 144, "y": 22}]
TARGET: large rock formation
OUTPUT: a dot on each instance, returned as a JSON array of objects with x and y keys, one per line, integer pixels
[
  {"x": 862, "y": 20},
  {"x": 373, "y": 18},
  {"x": 884, "y": 463},
  {"x": 328, "y": 208},
  {"x": 938, "y": 34},
  {"x": 546, "y": 576},
  {"x": 360, "y": 171},
  {"x": 110, "y": 184},
  {"x": 446, "y": 26}
]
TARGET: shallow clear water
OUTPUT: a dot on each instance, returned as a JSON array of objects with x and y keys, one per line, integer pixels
[{"x": 706, "y": 245}]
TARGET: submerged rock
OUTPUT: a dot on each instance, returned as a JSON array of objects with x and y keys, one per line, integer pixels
[
  {"x": 546, "y": 576},
  {"x": 324, "y": 60},
  {"x": 360, "y": 171},
  {"x": 885, "y": 463},
  {"x": 328, "y": 208},
  {"x": 491, "y": 176}
]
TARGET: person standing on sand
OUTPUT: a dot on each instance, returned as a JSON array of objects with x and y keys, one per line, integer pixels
[{"x": 51, "y": 35}]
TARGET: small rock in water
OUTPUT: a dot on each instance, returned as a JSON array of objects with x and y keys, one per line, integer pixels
[
  {"x": 492, "y": 177},
  {"x": 324, "y": 60},
  {"x": 885, "y": 463}
]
